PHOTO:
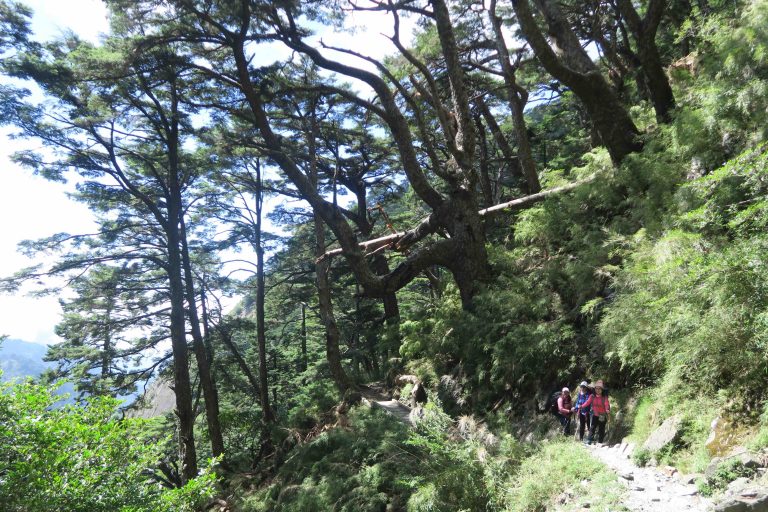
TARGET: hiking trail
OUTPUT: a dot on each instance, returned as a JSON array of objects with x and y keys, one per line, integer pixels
[
  {"x": 376, "y": 399},
  {"x": 649, "y": 488}
]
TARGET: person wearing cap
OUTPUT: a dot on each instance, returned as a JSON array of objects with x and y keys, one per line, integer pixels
[
  {"x": 601, "y": 408},
  {"x": 564, "y": 405},
  {"x": 582, "y": 412}
]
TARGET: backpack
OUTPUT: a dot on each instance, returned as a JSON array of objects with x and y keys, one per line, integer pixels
[{"x": 552, "y": 403}]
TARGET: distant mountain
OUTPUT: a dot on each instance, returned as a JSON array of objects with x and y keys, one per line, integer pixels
[{"x": 19, "y": 359}]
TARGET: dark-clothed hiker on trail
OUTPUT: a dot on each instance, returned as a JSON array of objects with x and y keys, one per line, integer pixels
[
  {"x": 564, "y": 406},
  {"x": 583, "y": 413},
  {"x": 601, "y": 409}
]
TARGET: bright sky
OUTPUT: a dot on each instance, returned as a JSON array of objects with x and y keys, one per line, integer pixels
[{"x": 31, "y": 207}]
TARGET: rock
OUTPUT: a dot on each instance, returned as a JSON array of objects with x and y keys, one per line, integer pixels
[
  {"x": 664, "y": 435},
  {"x": 627, "y": 476},
  {"x": 669, "y": 470},
  {"x": 711, "y": 470},
  {"x": 638, "y": 488},
  {"x": 689, "y": 492},
  {"x": 759, "y": 504},
  {"x": 722, "y": 436},
  {"x": 690, "y": 479},
  {"x": 737, "y": 485},
  {"x": 732, "y": 505},
  {"x": 751, "y": 460}
]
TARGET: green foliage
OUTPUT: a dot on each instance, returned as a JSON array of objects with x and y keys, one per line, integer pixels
[
  {"x": 726, "y": 472},
  {"x": 363, "y": 467},
  {"x": 80, "y": 457},
  {"x": 464, "y": 466},
  {"x": 689, "y": 300},
  {"x": 760, "y": 440},
  {"x": 556, "y": 468},
  {"x": 641, "y": 457}
]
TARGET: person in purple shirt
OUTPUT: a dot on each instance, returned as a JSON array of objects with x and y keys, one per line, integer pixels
[{"x": 582, "y": 412}]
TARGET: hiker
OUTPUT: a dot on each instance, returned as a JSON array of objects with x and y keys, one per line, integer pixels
[
  {"x": 564, "y": 405},
  {"x": 601, "y": 409},
  {"x": 582, "y": 412}
]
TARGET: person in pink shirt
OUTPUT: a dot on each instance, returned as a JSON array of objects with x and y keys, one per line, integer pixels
[{"x": 601, "y": 409}]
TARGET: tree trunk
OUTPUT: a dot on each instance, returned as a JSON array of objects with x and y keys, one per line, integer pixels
[
  {"x": 181, "y": 385},
  {"x": 325, "y": 304},
  {"x": 322, "y": 268},
  {"x": 226, "y": 338},
  {"x": 210, "y": 393},
  {"x": 644, "y": 32},
  {"x": 517, "y": 97},
  {"x": 573, "y": 67},
  {"x": 304, "y": 362},
  {"x": 261, "y": 335}
]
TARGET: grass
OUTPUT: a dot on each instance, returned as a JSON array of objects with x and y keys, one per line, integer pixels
[{"x": 558, "y": 468}]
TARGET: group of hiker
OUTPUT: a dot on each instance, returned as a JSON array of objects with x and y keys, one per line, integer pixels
[{"x": 591, "y": 407}]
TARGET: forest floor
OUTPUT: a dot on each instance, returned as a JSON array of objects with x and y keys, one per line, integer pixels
[{"x": 650, "y": 488}]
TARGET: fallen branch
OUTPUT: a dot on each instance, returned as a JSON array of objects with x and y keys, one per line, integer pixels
[
  {"x": 526, "y": 201},
  {"x": 403, "y": 239}
]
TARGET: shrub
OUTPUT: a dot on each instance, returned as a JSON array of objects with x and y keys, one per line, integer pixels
[
  {"x": 641, "y": 457},
  {"x": 80, "y": 457}
]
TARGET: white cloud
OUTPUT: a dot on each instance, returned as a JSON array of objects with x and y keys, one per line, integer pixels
[{"x": 87, "y": 18}]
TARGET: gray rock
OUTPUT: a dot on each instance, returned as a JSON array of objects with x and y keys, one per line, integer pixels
[
  {"x": 690, "y": 479},
  {"x": 751, "y": 460},
  {"x": 627, "y": 476},
  {"x": 759, "y": 504},
  {"x": 664, "y": 435},
  {"x": 738, "y": 485},
  {"x": 732, "y": 505}
]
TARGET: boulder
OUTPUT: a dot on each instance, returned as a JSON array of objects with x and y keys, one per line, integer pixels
[
  {"x": 736, "y": 486},
  {"x": 722, "y": 435},
  {"x": 667, "y": 433},
  {"x": 759, "y": 503},
  {"x": 691, "y": 478},
  {"x": 732, "y": 505}
]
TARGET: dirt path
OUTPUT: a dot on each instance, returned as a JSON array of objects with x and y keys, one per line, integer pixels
[
  {"x": 649, "y": 489},
  {"x": 374, "y": 398}
]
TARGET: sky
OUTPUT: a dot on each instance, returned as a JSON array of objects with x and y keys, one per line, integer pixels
[{"x": 32, "y": 207}]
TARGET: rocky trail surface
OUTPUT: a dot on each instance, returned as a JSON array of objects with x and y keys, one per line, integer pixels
[
  {"x": 373, "y": 397},
  {"x": 648, "y": 488}
]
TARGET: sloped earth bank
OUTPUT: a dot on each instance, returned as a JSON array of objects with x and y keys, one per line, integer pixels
[{"x": 647, "y": 488}]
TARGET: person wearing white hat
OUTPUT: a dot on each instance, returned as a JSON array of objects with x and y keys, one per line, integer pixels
[{"x": 564, "y": 404}]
